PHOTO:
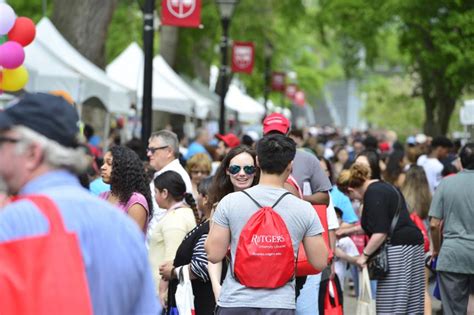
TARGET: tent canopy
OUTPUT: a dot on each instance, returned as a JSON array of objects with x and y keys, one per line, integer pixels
[
  {"x": 249, "y": 110},
  {"x": 127, "y": 69},
  {"x": 96, "y": 83},
  {"x": 204, "y": 105}
]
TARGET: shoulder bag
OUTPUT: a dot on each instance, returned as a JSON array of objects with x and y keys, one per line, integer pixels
[{"x": 377, "y": 264}]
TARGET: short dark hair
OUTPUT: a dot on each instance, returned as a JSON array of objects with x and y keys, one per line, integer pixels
[
  {"x": 338, "y": 211},
  {"x": 442, "y": 141},
  {"x": 275, "y": 152},
  {"x": 467, "y": 156}
]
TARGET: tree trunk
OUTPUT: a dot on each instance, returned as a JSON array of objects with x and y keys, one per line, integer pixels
[
  {"x": 84, "y": 23},
  {"x": 169, "y": 43},
  {"x": 430, "y": 126}
]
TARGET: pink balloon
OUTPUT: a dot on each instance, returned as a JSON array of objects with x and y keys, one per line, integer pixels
[{"x": 12, "y": 55}]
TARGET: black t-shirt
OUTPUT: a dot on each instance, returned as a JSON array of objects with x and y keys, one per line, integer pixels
[{"x": 380, "y": 205}]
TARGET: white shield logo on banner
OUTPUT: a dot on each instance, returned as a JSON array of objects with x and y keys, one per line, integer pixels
[
  {"x": 243, "y": 56},
  {"x": 181, "y": 8}
]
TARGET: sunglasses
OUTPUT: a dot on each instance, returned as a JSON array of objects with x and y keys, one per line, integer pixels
[
  {"x": 248, "y": 169},
  {"x": 152, "y": 150},
  {"x": 8, "y": 139}
]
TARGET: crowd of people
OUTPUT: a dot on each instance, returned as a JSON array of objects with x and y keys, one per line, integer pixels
[{"x": 141, "y": 225}]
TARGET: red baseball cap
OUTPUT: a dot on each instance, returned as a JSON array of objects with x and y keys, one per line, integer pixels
[
  {"x": 276, "y": 122},
  {"x": 230, "y": 140}
]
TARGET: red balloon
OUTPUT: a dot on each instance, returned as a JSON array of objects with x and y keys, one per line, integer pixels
[{"x": 23, "y": 32}]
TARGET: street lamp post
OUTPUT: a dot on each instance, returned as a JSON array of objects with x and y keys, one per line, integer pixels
[
  {"x": 148, "y": 32},
  {"x": 226, "y": 9},
  {"x": 267, "y": 53}
]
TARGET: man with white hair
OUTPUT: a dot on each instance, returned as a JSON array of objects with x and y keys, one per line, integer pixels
[
  {"x": 163, "y": 152},
  {"x": 38, "y": 157}
]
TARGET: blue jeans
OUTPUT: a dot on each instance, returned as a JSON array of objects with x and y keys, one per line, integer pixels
[{"x": 307, "y": 302}]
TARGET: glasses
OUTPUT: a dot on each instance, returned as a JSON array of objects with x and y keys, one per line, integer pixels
[
  {"x": 202, "y": 172},
  {"x": 248, "y": 169},
  {"x": 8, "y": 139},
  {"x": 152, "y": 150}
]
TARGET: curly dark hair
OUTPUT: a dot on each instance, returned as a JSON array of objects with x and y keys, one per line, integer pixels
[
  {"x": 221, "y": 184},
  {"x": 128, "y": 176}
]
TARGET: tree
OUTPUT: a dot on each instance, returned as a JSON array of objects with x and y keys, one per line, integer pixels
[
  {"x": 84, "y": 23},
  {"x": 436, "y": 36}
]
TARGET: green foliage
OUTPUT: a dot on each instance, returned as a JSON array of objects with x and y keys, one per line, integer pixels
[
  {"x": 434, "y": 39},
  {"x": 390, "y": 106},
  {"x": 126, "y": 27},
  {"x": 30, "y": 8}
]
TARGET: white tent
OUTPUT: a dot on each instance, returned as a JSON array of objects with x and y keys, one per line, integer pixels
[
  {"x": 204, "y": 105},
  {"x": 48, "y": 73},
  {"x": 96, "y": 83},
  {"x": 127, "y": 69},
  {"x": 249, "y": 110}
]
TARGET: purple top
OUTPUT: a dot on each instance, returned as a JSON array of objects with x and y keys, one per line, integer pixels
[{"x": 135, "y": 198}]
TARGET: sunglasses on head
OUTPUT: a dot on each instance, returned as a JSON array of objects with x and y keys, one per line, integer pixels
[{"x": 248, "y": 169}]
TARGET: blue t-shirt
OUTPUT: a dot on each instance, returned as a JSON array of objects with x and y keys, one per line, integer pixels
[
  {"x": 344, "y": 203},
  {"x": 195, "y": 148}
]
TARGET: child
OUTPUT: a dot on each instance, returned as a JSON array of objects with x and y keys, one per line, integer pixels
[{"x": 346, "y": 252}]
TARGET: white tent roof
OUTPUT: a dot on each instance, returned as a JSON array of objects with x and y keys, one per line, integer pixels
[
  {"x": 48, "y": 73},
  {"x": 204, "y": 105},
  {"x": 127, "y": 69},
  {"x": 115, "y": 97},
  {"x": 249, "y": 110}
]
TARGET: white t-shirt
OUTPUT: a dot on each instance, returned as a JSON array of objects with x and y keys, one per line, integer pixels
[
  {"x": 433, "y": 168},
  {"x": 347, "y": 246}
]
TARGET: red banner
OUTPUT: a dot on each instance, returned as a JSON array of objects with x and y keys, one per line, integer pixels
[
  {"x": 278, "y": 81},
  {"x": 243, "y": 57},
  {"x": 300, "y": 98},
  {"x": 184, "y": 13},
  {"x": 291, "y": 91}
]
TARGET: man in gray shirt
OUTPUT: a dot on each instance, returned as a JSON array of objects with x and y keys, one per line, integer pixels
[
  {"x": 275, "y": 154},
  {"x": 453, "y": 203}
]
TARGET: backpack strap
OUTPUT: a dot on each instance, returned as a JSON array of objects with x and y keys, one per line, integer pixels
[
  {"x": 251, "y": 198},
  {"x": 281, "y": 197},
  {"x": 274, "y": 205}
]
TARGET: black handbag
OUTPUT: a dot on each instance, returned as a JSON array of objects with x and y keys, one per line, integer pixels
[{"x": 377, "y": 263}]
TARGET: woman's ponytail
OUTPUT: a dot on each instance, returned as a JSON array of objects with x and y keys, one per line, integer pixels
[{"x": 189, "y": 199}]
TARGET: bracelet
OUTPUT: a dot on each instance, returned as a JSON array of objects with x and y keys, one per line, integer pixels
[{"x": 365, "y": 254}]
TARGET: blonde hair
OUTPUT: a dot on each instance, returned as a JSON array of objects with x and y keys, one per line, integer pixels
[
  {"x": 416, "y": 191},
  {"x": 354, "y": 177},
  {"x": 199, "y": 160}
]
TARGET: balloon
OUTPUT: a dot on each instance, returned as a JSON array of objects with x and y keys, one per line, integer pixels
[
  {"x": 3, "y": 39},
  {"x": 7, "y": 18},
  {"x": 23, "y": 31},
  {"x": 12, "y": 55},
  {"x": 14, "y": 80}
]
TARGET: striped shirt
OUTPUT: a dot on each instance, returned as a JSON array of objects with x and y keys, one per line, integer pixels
[{"x": 112, "y": 246}]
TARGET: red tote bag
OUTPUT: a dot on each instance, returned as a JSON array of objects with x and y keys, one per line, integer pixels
[
  {"x": 44, "y": 274},
  {"x": 332, "y": 305},
  {"x": 303, "y": 267}
]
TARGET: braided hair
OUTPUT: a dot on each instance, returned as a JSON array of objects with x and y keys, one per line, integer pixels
[
  {"x": 174, "y": 183},
  {"x": 128, "y": 176}
]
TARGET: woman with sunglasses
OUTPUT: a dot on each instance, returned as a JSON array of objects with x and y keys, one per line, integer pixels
[
  {"x": 236, "y": 172},
  {"x": 129, "y": 189}
]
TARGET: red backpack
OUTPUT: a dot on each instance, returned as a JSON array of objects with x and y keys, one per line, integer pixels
[{"x": 264, "y": 257}]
